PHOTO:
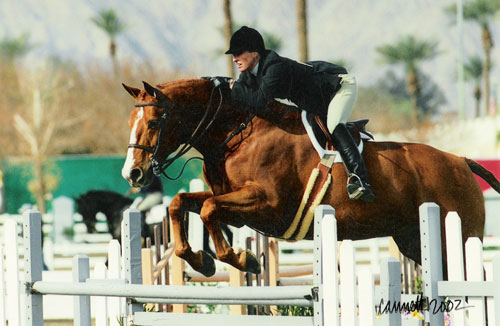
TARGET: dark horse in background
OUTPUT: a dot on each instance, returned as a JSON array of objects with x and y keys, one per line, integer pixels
[
  {"x": 112, "y": 205},
  {"x": 258, "y": 177}
]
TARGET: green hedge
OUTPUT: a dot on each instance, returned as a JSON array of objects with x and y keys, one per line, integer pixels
[{"x": 75, "y": 175}]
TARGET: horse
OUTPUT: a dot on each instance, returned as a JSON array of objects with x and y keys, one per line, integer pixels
[
  {"x": 257, "y": 169},
  {"x": 112, "y": 205}
]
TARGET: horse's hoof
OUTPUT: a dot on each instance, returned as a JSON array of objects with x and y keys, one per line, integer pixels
[
  {"x": 208, "y": 264},
  {"x": 252, "y": 264}
]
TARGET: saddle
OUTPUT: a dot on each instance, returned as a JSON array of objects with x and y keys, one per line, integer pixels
[{"x": 357, "y": 129}]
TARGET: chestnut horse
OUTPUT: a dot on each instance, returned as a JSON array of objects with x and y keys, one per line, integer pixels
[{"x": 257, "y": 176}]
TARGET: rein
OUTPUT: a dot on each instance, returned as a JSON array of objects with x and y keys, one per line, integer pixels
[{"x": 160, "y": 165}]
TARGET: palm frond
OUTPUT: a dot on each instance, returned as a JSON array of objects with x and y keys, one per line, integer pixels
[{"x": 109, "y": 22}]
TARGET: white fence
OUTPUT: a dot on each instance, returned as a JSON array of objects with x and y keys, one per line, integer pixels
[{"x": 353, "y": 291}]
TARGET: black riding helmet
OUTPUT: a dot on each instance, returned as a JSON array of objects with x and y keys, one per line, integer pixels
[{"x": 246, "y": 39}]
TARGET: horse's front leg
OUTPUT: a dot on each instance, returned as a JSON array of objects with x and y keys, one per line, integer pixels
[
  {"x": 248, "y": 200},
  {"x": 182, "y": 203}
]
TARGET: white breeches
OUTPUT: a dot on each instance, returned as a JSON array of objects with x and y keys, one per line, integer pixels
[{"x": 340, "y": 108}]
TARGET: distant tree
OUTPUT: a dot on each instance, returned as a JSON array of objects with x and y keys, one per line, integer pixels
[
  {"x": 430, "y": 96},
  {"x": 302, "y": 29},
  {"x": 272, "y": 41},
  {"x": 14, "y": 48},
  {"x": 228, "y": 32},
  {"x": 409, "y": 52},
  {"x": 481, "y": 12},
  {"x": 473, "y": 70},
  {"x": 110, "y": 23}
]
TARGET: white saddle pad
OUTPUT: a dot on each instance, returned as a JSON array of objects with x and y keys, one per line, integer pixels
[{"x": 321, "y": 151}]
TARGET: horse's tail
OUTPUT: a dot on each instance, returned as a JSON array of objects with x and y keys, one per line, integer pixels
[{"x": 484, "y": 174}]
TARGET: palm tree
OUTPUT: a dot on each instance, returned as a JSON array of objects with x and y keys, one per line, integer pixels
[
  {"x": 228, "y": 32},
  {"x": 473, "y": 70},
  {"x": 13, "y": 48},
  {"x": 409, "y": 52},
  {"x": 109, "y": 22},
  {"x": 481, "y": 12},
  {"x": 302, "y": 29}
]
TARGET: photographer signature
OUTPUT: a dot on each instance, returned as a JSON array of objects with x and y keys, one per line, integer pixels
[{"x": 420, "y": 304}]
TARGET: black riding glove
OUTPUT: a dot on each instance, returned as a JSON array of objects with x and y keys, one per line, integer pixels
[{"x": 219, "y": 81}]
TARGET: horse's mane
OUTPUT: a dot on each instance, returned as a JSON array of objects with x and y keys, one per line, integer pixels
[{"x": 281, "y": 115}]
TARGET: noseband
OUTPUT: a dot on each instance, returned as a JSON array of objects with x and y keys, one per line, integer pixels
[{"x": 159, "y": 164}]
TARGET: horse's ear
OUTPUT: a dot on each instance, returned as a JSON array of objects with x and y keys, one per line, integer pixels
[
  {"x": 154, "y": 92},
  {"x": 131, "y": 90}
]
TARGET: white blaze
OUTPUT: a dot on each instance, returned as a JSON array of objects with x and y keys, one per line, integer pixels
[{"x": 129, "y": 162}]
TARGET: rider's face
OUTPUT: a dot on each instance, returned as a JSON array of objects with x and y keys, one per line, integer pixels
[{"x": 246, "y": 60}]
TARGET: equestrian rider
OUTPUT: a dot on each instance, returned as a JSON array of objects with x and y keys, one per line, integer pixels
[{"x": 318, "y": 87}]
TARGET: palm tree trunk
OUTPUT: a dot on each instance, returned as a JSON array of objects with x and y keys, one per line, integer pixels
[
  {"x": 228, "y": 31},
  {"x": 413, "y": 89},
  {"x": 112, "y": 54},
  {"x": 302, "y": 29},
  {"x": 477, "y": 96},
  {"x": 487, "y": 46}
]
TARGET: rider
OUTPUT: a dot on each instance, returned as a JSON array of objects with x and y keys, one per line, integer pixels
[{"x": 319, "y": 87}]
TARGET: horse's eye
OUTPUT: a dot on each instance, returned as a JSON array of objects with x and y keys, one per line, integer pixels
[{"x": 153, "y": 124}]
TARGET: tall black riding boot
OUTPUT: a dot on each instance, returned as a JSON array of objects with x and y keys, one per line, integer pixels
[{"x": 357, "y": 181}]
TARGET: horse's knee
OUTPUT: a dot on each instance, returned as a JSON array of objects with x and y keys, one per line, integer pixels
[
  {"x": 207, "y": 211},
  {"x": 176, "y": 204}
]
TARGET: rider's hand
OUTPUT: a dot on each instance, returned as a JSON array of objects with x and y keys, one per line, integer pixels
[{"x": 219, "y": 81}]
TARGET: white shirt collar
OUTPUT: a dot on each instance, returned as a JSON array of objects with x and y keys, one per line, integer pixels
[{"x": 255, "y": 69}]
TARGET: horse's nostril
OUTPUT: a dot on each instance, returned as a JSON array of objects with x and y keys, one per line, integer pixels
[{"x": 135, "y": 175}]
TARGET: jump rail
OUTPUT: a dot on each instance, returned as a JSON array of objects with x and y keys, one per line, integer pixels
[
  {"x": 355, "y": 294},
  {"x": 136, "y": 294}
]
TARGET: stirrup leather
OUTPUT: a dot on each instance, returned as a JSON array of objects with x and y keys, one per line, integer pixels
[{"x": 355, "y": 190}]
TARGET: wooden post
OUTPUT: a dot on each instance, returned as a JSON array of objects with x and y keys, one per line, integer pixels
[
  {"x": 101, "y": 314},
  {"x": 2, "y": 289},
  {"x": 147, "y": 271},
  {"x": 393, "y": 249},
  {"x": 33, "y": 303},
  {"x": 274, "y": 268},
  {"x": 131, "y": 252},
  {"x": 432, "y": 264},
  {"x": 236, "y": 278},
  {"x": 348, "y": 284},
  {"x": 166, "y": 275},
  {"x": 114, "y": 273},
  {"x": 366, "y": 289},
  {"x": 178, "y": 267},
  {"x": 325, "y": 275},
  {"x": 455, "y": 258},
  {"x": 390, "y": 290},
  {"x": 475, "y": 272},
  {"x": 81, "y": 304}
]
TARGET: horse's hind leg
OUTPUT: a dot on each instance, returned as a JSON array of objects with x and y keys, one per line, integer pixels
[
  {"x": 182, "y": 203},
  {"x": 223, "y": 208}
]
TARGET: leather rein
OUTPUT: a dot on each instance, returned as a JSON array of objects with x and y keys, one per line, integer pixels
[{"x": 159, "y": 164}]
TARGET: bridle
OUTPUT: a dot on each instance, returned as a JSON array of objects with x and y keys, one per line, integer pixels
[{"x": 159, "y": 164}]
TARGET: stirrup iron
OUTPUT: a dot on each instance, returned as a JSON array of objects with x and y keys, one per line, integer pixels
[{"x": 355, "y": 190}]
